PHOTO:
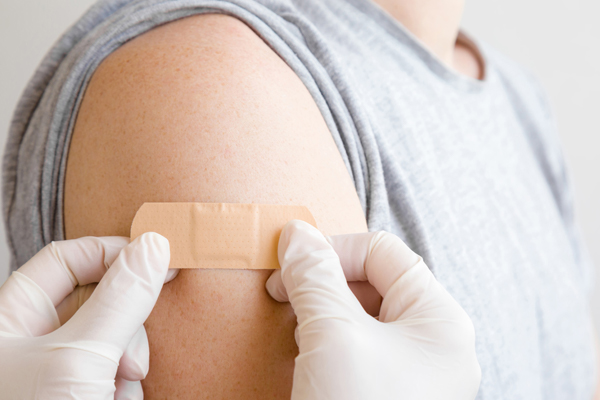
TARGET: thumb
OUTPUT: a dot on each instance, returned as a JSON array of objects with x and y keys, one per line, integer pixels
[
  {"x": 311, "y": 275},
  {"x": 123, "y": 299},
  {"x": 409, "y": 289}
]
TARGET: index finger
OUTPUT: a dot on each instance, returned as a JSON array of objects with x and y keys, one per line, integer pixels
[{"x": 61, "y": 266}]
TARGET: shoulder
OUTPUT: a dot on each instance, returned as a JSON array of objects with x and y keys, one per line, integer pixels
[
  {"x": 529, "y": 101},
  {"x": 520, "y": 80},
  {"x": 201, "y": 109},
  {"x": 219, "y": 46},
  {"x": 212, "y": 56}
]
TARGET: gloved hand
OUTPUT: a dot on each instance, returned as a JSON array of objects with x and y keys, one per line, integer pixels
[
  {"x": 422, "y": 346},
  {"x": 102, "y": 341}
]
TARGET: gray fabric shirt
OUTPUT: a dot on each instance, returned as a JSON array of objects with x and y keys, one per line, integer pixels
[{"x": 469, "y": 173}]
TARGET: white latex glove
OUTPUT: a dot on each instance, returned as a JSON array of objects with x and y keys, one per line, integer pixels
[
  {"x": 101, "y": 350},
  {"x": 422, "y": 346}
]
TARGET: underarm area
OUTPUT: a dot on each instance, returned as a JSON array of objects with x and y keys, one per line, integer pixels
[{"x": 202, "y": 110}]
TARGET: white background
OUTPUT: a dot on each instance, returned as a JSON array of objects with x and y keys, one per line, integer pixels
[{"x": 559, "y": 40}]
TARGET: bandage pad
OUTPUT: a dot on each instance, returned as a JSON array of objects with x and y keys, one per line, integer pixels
[{"x": 219, "y": 235}]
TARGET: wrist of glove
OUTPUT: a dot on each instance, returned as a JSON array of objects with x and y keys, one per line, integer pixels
[{"x": 422, "y": 346}]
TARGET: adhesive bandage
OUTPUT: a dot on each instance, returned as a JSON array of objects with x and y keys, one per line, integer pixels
[{"x": 219, "y": 235}]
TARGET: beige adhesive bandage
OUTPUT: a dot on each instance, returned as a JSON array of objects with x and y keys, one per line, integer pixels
[{"x": 219, "y": 235}]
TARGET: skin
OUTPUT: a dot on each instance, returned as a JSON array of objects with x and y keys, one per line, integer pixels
[
  {"x": 202, "y": 110},
  {"x": 435, "y": 23}
]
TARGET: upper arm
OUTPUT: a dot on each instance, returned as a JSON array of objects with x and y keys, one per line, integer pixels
[{"x": 202, "y": 110}]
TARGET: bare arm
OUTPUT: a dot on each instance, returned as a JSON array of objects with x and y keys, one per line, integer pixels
[{"x": 203, "y": 110}]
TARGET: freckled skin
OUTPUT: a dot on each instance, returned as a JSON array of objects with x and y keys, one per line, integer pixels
[
  {"x": 201, "y": 110},
  {"x": 239, "y": 315}
]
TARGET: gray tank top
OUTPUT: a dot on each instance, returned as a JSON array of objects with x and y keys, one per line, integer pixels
[{"x": 468, "y": 172}]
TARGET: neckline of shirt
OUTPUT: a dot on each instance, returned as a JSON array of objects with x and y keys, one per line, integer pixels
[{"x": 432, "y": 61}]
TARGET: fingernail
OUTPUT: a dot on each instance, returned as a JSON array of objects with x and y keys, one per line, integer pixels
[{"x": 171, "y": 274}]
